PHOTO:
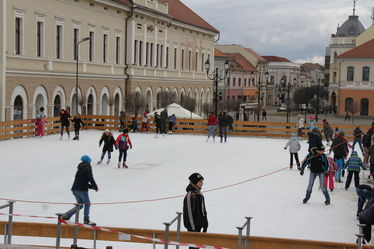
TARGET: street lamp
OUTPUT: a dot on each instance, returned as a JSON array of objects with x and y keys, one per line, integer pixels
[
  {"x": 285, "y": 86},
  {"x": 317, "y": 99},
  {"x": 259, "y": 87},
  {"x": 76, "y": 72},
  {"x": 216, "y": 78}
]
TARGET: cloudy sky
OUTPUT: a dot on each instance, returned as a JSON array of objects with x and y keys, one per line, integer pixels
[{"x": 296, "y": 29}]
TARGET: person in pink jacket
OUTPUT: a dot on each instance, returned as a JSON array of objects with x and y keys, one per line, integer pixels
[
  {"x": 329, "y": 176},
  {"x": 40, "y": 121}
]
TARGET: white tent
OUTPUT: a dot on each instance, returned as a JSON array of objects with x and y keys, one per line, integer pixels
[{"x": 178, "y": 110}]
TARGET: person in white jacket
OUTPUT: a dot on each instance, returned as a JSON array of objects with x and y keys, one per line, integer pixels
[
  {"x": 300, "y": 125},
  {"x": 294, "y": 147}
]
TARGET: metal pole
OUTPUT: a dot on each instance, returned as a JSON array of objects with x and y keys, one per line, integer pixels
[
  {"x": 288, "y": 102},
  {"x": 360, "y": 235},
  {"x": 258, "y": 98},
  {"x": 5, "y": 233},
  {"x": 317, "y": 100},
  {"x": 10, "y": 222},
  {"x": 154, "y": 242},
  {"x": 76, "y": 78},
  {"x": 240, "y": 234},
  {"x": 216, "y": 93},
  {"x": 179, "y": 228},
  {"x": 94, "y": 239},
  {"x": 247, "y": 232},
  {"x": 58, "y": 234},
  {"x": 167, "y": 226},
  {"x": 77, "y": 208}
]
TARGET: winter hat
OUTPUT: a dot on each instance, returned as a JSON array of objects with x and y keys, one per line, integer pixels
[
  {"x": 195, "y": 178},
  {"x": 311, "y": 117},
  {"x": 86, "y": 159}
]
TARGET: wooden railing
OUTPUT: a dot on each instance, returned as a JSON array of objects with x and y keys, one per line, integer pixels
[
  {"x": 26, "y": 128},
  {"x": 224, "y": 240}
]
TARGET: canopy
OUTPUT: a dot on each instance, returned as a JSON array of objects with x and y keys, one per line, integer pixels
[{"x": 178, "y": 110}]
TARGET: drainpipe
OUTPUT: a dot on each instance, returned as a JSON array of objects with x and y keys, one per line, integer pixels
[{"x": 126, "y": 65}]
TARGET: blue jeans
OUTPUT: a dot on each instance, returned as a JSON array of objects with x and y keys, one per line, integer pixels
[
  {"x": 103, "y": 154},
  {"x": 312, "y": 178},
  {"x": 81, "y": 197},
  {"x": 212, "y": 130},
  {"x": 223, "y": 133},
  {"x": 122, "y": 153},
  {"x": 363, "y": 195},
  {"x": 340, "y": 163}
]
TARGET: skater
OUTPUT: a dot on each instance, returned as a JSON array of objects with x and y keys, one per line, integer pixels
[
  {"x": 194, "y": 212},
  {"x": 145, "y": 122},
  {"x": 109, "y": 141},
  {"x": 327, "y": 131},
  {"x": 212, "y": 126},
  {"x": 77, "y": 125},
  {"x": 295, "y": 147},
  {"x": 311, "y": 123},
  {"x": 347, "y": 116},
  {"x": 123, "y": 143},
  {"x": 357, "y": 134},
  {"x": 336, "y": 132},
  {"x": 317, "y": 161},
  {"x": 365, "y": 193},
  {"x": 134, "y": 124},
  {"x": 339, "y": 147},
  {"x": 65, "y": 122},
  {"x": 163, "y": 117},
  {"x": 371, "y": 158},
  {"x": 353, "y": 165},
  {"x": 366, "y": 142},
  {"x": 122, "y": 120},
  {"x": 300, "y": 126},
  {"x": 264, "y": 113},
  {"x": 83, "y": 181},
  {"x": 157, "y": 121},
  {"x": 328, "y": 180},
  {"x": 314, "y": 139},
  {"x": 40, "y": 121},
  {"x": 366, "y": 217},
  {"x": 224, "y": 123},
  {"x": 172, "y": 122}
]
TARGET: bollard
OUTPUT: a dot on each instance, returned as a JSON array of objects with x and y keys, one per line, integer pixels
[
  {"x": 360, "y": 235},
  {"x": 178, "y": 228},
  {"x": 94, "y": 239},
  {"x": 247, "y": 232},
  {"x": 154, "y": 242},
  {"x": 10, "y": 221},
  {"x": 58, "y": 234},
  {"x": 240, "y": 234},
  {"x": 75, "y": 240},
  {"x": 167, "y": 227}
]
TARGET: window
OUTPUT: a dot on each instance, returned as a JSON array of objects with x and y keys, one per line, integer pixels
[
  {"x": 189, "y": 60},
  {"x": 349, "y": 105},
  {"x": 161, "y": 55},
  {"x": 175, "y": 58},
  {"x": 140, "y": 53},
  {"x": 350, "y": 73},
  {"x": 334, "y": 77},
  {"x": 39, "y": 38},
  {"x": 202, "y": 62},
  {"x": 147, "y": 54},
  {"x": 167, "y": 57},
  {"x": 228, "y": 81},
  {"x": 18, "y": 35},
  {"x": 157, "y": 54},
  {"x": 135, "y": 51},
  {"x": 365, "y": 74},
  {"x": 239, "y": 82},
  {"x": 118, "y": 45},
  {"x": 233, "y": 81},
  {"x": 272, "y": 79},
  {"x": 151, "y": 56},
  {"x": 75, "y": 40},
  {"x": 196, "y": 58},
  {"x": 91, "y": 46},
  {"x": 58, "y": 41},
  {"x": 105, "y": 48},
  {"x": 182, "y": 60}
]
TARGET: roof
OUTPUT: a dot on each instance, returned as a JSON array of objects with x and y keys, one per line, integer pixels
[
  {"x": 178, "y": 110},
  {"x": 312, "y": 66},
  {"x": 218, "y": 53},
  {"x": 275, "y": 59},
  {"x": 258, "y": 57},
  {"x": 350, "y": 28},
  {"x": 239, "y": 63},
  {"x": 365, "y": 50},
  {"x": 180, "y": 12}
]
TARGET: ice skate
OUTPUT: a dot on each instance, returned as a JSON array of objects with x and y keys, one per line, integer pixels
[
  {"x": 69, "y": 136},
  {"x": 327, "y": 202},
  {"x": 75, "y": 138},
  {"x": 88, "y": 222},
  {"x": 61, "y": 137},
  {"x": 119, "y": 164},
  {"x": 214, "y": 139},
  {"x": 108, "y": 161},
  {"x": 124, "y": 165},
  {"x": 100, "y": 161}
]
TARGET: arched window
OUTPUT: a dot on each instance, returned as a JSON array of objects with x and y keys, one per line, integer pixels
[
  {"x": 56, "y": 106},
  {"x": 116, "y": 105},
  {"x": 18, "y": 108},
  {"x": 348, "y": 104},
  {"x": 90, "y": 103},
  {"x": 365, "y": 74},
  {"x": 350, "y": 73},
  {"x": 364, "y": 107}
]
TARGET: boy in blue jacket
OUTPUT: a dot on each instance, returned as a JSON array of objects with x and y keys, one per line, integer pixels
[{"x": 353, "y": 165}]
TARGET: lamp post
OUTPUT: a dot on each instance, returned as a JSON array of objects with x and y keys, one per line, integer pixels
[
  {"x": 76, "y": 72},
  {"x": 259, "y": 87},
  {"x": 317, "y": 99},
  {"x": 216, "y": 78}
]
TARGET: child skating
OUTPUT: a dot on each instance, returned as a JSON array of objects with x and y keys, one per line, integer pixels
[
  {"x": 77, "y": 125},
  {"x": 353, "y": 165},
  {"x": 328, "y": 180},
  {"x": 123, "y": 143},
  {"x": 294, "y": 144},
  {"x": 109, "y": 142},
  {"x": 40, "y": 121}
]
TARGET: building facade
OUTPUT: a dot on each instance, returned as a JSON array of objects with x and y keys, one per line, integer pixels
[{"x": 142, "y": 46}]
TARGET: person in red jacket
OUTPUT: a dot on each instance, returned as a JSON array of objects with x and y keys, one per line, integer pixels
[
  {"x": 123, "y": 143},
  {"x": 212, "y": 126}
]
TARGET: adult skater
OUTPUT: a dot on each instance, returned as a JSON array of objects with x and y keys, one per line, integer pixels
[
  {"x": 77, "y": 125},
  {"x": 327, "y": 131},
  {"x": 164, "y": 117},
  {"x": 212, "y": 126},
  {"x": 300, "y": 126},
  {"x": 172, "y": 122},
  {"x": 83, "y": 181},
  {"x": 65, "y": 122},
  {"x": 145, "y": 122},
  {"x": 294, "y": 144},
  {"x": 317, "y": 161},
  {"x": 314, "y": 139},
  {"x": 157, "y": 122},
  {"x": 224, "y": 123},
  {"x": 109, "y": 142},
  {"x": 339, "y": 147},
  {"x": 194, "y": 212},
  {"x": 357, "y": 139},
  {"x": 123, "y": 143}
]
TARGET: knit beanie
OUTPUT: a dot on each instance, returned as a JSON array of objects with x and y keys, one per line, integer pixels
[
  {"x": 86, "y": 159},
  {"x": 195, "y": 178}
]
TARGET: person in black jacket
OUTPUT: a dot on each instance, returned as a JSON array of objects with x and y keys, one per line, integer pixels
[
  {"x": 314, "y": 139},
  {"x": 109, "y": 142},
  {"x": 83, "y": 181},
  {"x": 194, "y": 211},
  {"x": 339, "y": 147},
  {"x": 65, "y": 122},
  {"x": 318, "y": 167},
  {"x": 77, "y": 125},
  {"x": 223, "y": 122},
  {"x": 366, "y": 217}
]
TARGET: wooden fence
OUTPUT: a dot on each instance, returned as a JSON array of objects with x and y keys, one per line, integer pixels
[{"x": 26, "y": 128}]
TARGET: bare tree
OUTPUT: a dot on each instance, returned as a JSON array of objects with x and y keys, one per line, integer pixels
[
  {"x": 207, "y": 108},
  {"x": 135, "y": 103},
  {"x": 166, "y": 98},
  {"x": 189, "y": 103}
]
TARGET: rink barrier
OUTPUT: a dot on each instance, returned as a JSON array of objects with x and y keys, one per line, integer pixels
[
  {"x": 9, "y": 226},
  {"x": 224, "y": 240},
  {"x": 27, "y": 128}
]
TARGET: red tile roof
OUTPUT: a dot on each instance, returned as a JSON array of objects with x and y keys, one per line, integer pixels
[
  {"x": 180, "y": 12},
  {"x": 311, "y": 66},
  {"x": 275, "y": 59},
  {"x": 218, "y": 53},
  {"x": 365, "y": 50},
  {"x": 239, "y": 63},
  {"x": 258, "y": 57}
]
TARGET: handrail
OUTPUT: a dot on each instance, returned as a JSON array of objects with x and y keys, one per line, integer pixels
[
  {"x": 8, "y": 227},
  {"x": 167, "y": 229},
  {"x": 240, "y": 233}
]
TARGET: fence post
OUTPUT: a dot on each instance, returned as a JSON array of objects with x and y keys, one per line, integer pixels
[
  {"x": 94, "y": 239},
  {"x": 167, "y": 227},
  {"x": 154, "y": 242},
  {"x": 247, "y": 232},
  {"x": 240, "y": 233},
  {"x": 77, "y": 208},
  {"x": 178, "y": 228},
  {"x": 10, "y": 221},
  {"x": 360, "y": 235},
  {"x": 5, "y": 233},
  {"x": 58, "y": 234}
]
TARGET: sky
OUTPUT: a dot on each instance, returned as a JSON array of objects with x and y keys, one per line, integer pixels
[{"x": 299, "y": 30}]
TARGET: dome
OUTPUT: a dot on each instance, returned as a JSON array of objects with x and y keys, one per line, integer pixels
[{"x": 350, "y": 28}]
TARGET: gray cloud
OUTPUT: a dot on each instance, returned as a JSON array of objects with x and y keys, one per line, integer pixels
[{"x": 296, "y": 29}]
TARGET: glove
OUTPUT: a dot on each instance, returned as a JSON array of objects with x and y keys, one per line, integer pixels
[
  {"x": 301, "y": 172},
  {"x": 116, "y": 147},
  {"x": 205, "y": 229}
]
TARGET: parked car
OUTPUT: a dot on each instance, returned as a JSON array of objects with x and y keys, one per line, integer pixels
[{"x": 282, "y": 108}]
